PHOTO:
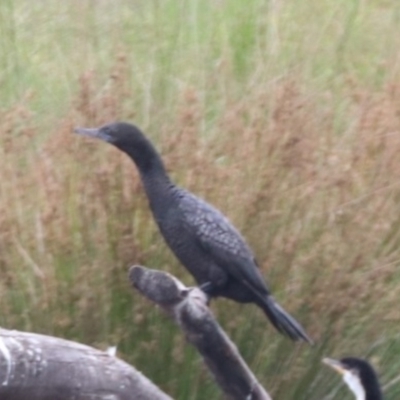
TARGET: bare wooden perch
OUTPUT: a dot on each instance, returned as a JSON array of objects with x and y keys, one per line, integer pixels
[
  {"x": 188, "y": 307},
  {"x": 38, "y": 367}
]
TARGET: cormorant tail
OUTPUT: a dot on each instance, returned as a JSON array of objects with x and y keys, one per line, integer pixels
[{"x": 283, "y": 321}]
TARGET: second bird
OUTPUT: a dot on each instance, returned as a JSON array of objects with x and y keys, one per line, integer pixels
[{"x": 199, "y": 235}]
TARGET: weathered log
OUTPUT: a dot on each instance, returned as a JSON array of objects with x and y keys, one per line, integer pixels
[
  {"x": 39, "y": 367},
  {"x": 188, "y": 307}
]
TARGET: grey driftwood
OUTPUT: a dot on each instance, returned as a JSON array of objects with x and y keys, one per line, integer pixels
[
  {"x": 39, "y": 367},
  {"x": 188, "y": 307}
]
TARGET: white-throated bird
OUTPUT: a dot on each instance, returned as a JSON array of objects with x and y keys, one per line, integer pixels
[{"x": 359, "y": 376}]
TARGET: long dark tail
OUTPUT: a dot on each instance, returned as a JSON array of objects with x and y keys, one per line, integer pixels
[{"x": 282, "y": 321}]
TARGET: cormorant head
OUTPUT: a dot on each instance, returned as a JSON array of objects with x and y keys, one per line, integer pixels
[
  {"x": 129, "y": 139},
  {"x": 359, "y": 376},
  {"x": 120, "y": 134}
]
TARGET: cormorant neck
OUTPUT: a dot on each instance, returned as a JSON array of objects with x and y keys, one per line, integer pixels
[
  {"x": 143, "y": 153},
  {"x": 374, "y": 394},
  {"x": 150, "y": 165},
  {"x": 355, "y": 385},
  {"x": 369, "y": 390}
]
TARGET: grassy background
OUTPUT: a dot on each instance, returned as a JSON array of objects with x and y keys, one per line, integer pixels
[{"x": 284, "y": 114}]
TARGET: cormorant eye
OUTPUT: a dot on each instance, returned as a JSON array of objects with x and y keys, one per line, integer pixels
[{"x": 107, "y": 130}]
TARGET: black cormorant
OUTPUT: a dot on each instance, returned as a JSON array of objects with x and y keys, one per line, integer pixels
[
  {"x": 199, "y": 235},
  {"x": 359, "y": 376}
]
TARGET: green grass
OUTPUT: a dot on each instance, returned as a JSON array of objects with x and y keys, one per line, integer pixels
[{"x": 284, "y": 114}]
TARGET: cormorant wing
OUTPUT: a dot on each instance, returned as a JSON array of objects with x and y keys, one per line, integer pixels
[{"x": 217, "y": 236}]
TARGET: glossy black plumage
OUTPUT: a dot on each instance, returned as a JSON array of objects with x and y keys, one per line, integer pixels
[{"x": 200, "y": 236}]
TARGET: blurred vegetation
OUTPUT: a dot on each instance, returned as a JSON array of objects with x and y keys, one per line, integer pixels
[{"x": 284, "y": 114}]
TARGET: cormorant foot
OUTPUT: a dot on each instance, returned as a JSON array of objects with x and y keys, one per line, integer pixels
[{"x": 207, "y": 288}]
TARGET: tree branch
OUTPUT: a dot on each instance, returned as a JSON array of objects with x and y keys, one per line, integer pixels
[
  {"x": 38, "y": 367},
  {"x": 188, "y": 307}
]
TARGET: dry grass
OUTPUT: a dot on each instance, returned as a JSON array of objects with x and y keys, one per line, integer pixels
[{"x": 320, "y": 209}]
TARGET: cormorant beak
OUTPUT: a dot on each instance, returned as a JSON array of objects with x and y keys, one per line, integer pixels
[
  {"x": 335, "y": 364},
  {"x": 94, "y": 132}
]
